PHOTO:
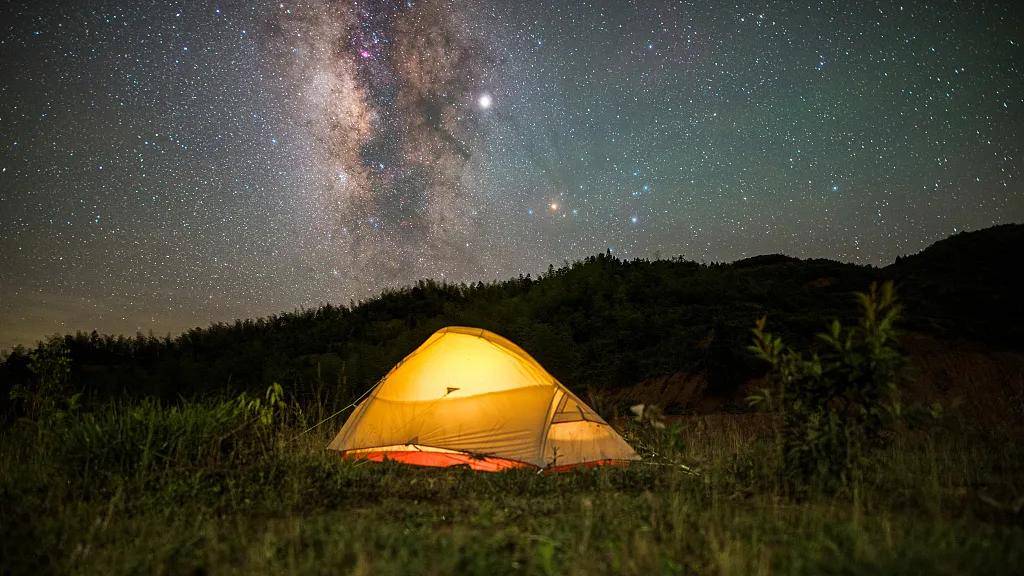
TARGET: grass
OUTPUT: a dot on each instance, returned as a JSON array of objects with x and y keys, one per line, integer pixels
[{"x": 205, "y": 488}]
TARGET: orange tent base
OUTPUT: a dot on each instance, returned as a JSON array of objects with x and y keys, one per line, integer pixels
[
  {"x": 478, "y": 463},
  {"x": 441, "y": 460}
]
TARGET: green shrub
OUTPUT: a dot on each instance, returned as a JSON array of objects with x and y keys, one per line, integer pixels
[
  {"x": 46, "y": 394},
  {"x": 839, "y": 400},
  {"x": 267, "y": 408}
]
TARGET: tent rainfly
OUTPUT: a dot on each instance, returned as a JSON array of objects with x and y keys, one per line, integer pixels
[{"x": 468, "y": 397}]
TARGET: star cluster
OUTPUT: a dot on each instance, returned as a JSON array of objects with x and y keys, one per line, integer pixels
[{"x": 170, "y": 164}]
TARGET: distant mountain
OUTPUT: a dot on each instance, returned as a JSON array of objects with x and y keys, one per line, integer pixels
[
  {"x": 599, "y": 325},
  {"x": 969, "y": 285},
  {"x": 989, "y": 254},
  {"x": 764, "y": 260}
]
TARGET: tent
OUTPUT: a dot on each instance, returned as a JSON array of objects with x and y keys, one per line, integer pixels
[{"x": 468, "y": 397}]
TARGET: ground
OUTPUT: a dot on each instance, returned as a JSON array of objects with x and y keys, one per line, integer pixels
[{"x": 131, "y": 491}]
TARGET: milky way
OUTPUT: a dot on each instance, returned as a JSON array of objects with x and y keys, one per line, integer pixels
[
  {"x": 388, "y": 91},
  {"x": 171, "y": 164}
]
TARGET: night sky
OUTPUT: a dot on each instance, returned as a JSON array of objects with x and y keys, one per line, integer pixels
[{"x": 168, "y": 164}]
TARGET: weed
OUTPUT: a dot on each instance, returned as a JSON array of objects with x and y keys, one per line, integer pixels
[{"x": 838, "y": 401}]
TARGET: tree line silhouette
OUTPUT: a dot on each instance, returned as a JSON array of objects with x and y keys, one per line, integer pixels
[{"x": 597, "y": 324}]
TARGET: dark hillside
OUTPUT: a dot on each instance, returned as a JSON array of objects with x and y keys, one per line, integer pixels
[
  {"x": 599, "y": 325},
  {"x": 969, "y": 285}
]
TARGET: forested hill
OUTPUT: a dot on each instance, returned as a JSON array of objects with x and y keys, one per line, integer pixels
[
  {"x": 598, "y": 324},
  {"x": 971, "y": 283}
]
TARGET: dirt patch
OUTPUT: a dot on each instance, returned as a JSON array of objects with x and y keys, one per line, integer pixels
[{"x": 981, "y": 384}]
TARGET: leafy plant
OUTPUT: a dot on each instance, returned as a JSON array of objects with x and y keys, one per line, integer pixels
[
  {"x": 839, "y": 400},
  {"x": 650, "y": 414},
  {"x": 266, "y": 409},
  {"x": 654, "y": 437},
  {"x": 46, "y": 395}
]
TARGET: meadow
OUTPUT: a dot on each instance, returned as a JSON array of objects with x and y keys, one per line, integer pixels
[
  {"x": 211, "y": 487},
  {"x": 198, "y": 454}
]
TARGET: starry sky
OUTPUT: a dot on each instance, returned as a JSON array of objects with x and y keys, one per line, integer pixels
[{"x": 170, "y": 164}]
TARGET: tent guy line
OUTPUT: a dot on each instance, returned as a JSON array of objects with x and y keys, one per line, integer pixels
[{"x": 335, "y": 415}]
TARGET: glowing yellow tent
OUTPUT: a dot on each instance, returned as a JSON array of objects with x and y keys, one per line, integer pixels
[{"x": 469, "y": 397}]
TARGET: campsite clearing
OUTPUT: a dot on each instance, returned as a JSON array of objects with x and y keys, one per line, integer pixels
[{"x": 100, "y": 499}]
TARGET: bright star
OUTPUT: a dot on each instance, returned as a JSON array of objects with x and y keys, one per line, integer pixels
[{"x": 485, "y": 101}]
